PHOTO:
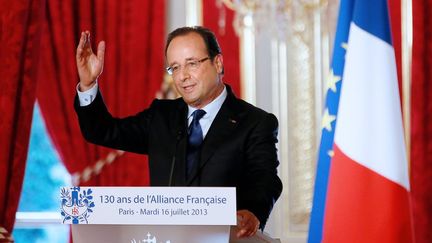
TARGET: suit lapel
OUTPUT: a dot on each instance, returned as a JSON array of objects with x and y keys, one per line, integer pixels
[
  {"x": 179, "y": 130},
  {"x": 220, "y": 130}
]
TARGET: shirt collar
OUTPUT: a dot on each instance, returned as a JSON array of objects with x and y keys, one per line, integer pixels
[{"x": 213, "y": 107}]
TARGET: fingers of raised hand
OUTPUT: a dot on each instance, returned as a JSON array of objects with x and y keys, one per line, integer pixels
[
  {"x": 80, "y": 45},
  {"x": 84, "y": 43},
  {"x": 101, "y": 51}
]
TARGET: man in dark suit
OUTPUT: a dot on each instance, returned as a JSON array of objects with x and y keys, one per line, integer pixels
[{"x": 206, "y": 138}]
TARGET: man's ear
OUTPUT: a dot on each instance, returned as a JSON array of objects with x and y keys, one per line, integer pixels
[{"x": 218, "y": 61}]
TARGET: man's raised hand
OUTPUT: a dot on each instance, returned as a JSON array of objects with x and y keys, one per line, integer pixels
[{"x": 89, "y": 65}]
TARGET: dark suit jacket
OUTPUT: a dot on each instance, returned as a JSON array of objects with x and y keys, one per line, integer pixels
[{"x": 238, "y": 150}]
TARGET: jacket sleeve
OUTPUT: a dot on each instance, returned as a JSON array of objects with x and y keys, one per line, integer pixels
[
  {"x": 99, "y": 127},
  {"x": 261, "y": 186}
]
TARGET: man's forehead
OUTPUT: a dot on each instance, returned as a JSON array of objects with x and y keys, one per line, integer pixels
[
  {"x": 186, "y": 47},
  {"x": 189, "y": 38}
]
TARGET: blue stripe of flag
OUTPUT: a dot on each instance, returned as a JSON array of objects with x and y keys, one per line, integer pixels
[
  {"x": 332, "y": 103},
  {"x": 368, "y": 15}
]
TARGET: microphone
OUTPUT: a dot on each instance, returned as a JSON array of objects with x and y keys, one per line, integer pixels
[{"x": 173, "y": 161}]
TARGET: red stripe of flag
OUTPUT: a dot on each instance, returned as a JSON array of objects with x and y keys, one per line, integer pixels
[{"x": 363, "y": 206}]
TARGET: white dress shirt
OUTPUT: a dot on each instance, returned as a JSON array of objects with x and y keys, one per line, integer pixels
[
  {"x": 211, "y": 109},
  {"x": 86, "y": 98}
]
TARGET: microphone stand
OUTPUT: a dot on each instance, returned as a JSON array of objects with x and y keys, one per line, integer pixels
[{"x": 173, "y": 161}]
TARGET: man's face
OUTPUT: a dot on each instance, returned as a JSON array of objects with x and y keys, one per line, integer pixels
[{"x": 197, "y": 79}]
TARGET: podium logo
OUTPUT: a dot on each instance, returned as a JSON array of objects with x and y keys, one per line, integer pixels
[
  {"x": 150, "y": 239},
  {"x": 76, "y": 205}
]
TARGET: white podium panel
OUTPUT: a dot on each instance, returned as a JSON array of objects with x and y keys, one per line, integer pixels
[
  {"x": 150, "y": 233},
  {"x": 162, "y": 234}
]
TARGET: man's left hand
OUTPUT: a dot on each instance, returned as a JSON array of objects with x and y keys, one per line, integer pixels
[{"x": 247, "y": 224}]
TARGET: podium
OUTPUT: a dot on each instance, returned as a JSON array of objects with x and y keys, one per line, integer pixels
[
  {"x": 150, "y": 233},
  {"x": 152, "y": 214}
]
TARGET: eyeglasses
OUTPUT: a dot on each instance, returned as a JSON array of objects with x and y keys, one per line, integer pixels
[{"x": 191, "y": 65}]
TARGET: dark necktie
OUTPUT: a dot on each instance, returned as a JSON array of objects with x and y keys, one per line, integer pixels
[{"x": 194, "y": 141}]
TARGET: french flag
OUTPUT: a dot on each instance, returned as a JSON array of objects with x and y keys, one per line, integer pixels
[{"x": 362, "y": 184}]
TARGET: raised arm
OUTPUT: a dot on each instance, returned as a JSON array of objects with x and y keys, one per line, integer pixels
[{"x": 89, "y": 65}]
